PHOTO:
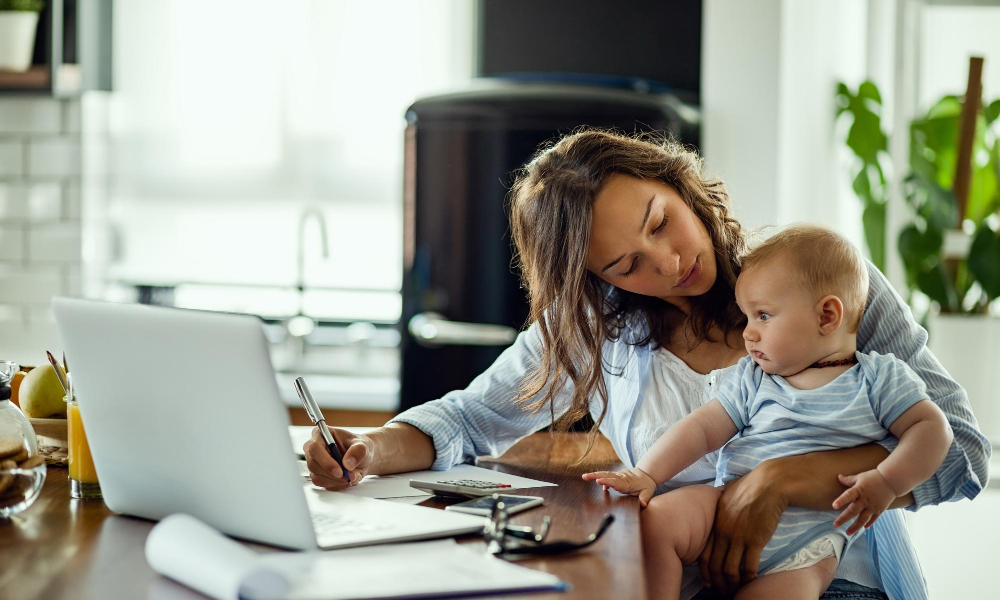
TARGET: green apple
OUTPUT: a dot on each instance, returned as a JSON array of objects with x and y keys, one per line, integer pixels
[{"x": 41, "y": 394}]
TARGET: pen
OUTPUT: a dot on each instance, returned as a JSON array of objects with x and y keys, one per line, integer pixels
[{"x": 316, "y": 416}]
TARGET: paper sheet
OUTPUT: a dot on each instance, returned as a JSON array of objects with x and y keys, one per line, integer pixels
[
  {"x": 434, "y": 569},
  {"x": 199, "y": 556},
  {"x": 192, "y": 553},
  {"x": 398, "y": 485}
]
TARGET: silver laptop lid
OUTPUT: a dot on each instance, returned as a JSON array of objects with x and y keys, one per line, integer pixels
[{"x": 183, "y": 414}]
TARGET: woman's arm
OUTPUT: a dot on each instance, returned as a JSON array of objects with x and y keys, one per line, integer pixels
[
  {"x": 888, "y": 327},
  {"x": 482, "y": 419},
  {"x": 810, "y": 480},
  {"x": 750, "y": 507},
  {"x": 924, "y": 439},
  {"x": 395, "y": 448}
]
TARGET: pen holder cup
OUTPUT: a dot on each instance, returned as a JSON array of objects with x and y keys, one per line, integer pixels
[{"x": 82, "y": 474}]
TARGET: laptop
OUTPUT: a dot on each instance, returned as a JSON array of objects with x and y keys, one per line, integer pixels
[{"x": 183, "y": 414}]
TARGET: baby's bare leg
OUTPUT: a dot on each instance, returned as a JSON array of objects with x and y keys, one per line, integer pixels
[
  {"x": 675, "y": 527},
  {"x": 797, "y": 584}
]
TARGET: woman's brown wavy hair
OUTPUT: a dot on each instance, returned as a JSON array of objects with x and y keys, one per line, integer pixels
[{"x": 551, "y": 208}]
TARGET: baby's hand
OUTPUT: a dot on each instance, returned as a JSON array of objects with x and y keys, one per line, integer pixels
[
  {"x": 635, "y": 482},
  {"x": 867, "y": 497}
]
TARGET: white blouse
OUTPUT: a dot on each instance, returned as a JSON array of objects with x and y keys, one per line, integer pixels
[{"x": 673, "y": 391}]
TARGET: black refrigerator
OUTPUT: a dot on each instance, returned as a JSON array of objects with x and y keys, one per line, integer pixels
[{"x": 462, "y": 299}]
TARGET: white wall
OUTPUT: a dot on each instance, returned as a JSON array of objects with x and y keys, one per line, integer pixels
[
  {"x": 740, "y": 74},
  {"x": 769, "y": 71}
]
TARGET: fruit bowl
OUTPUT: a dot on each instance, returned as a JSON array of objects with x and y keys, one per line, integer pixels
[
  {"x": 51, "y": 432},
  {"x": 20, "y": 484}
]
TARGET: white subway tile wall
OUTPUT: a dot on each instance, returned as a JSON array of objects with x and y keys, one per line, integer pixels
[
  {"x": 11, "y": 155},
  {"x": 53, "y": 156},
  {"x": 11, "y": 243},
  {"x": 41, "y": 177},
  {"x": 31, "y": 115},
  {"x": 27, "y": 285}
]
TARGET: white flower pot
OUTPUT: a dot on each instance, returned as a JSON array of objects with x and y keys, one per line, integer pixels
[
  {"x": 969, "y": 348},
  {"x": 17, "y": 39}
]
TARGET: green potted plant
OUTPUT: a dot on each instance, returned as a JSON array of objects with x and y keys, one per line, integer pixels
[
  {"x": 869, "y": 144},
  {"x": 951, "y": 248},
  {"x": 952, "y": 253},
  {"x": 18, "y": 24}
]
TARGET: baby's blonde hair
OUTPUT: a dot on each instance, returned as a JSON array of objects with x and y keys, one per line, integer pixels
[{"x": 823, "y": 263}]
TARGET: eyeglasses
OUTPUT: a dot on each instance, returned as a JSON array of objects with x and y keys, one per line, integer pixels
[{"x": 504, "y": 539}]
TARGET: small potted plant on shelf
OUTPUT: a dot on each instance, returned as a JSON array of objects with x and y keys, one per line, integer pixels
[
  {"x": 18, "y": 24},
  {"x": 951, "y": 248}
]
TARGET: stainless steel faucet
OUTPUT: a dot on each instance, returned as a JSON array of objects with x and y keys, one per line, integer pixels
[{"x": 301, "y": 325}]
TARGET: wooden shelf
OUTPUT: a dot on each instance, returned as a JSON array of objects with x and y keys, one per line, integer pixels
[
  {"x": 72, "y": 51},
  {"x": 36, "y": 77}
]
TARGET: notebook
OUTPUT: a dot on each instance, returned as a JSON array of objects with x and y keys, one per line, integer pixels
[
  {"x": 183, "y": 414},
  {"x": 184, "y": 549}
]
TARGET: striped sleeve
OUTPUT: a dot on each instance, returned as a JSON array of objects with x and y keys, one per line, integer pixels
[
  {"x": 484, "y": 418},
  {"x": 888, "y": 327},
  {"x": 894, "y": 387},
  {"x": 737, "y": 389}
]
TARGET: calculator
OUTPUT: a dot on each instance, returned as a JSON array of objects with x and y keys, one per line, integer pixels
[{"x": 464, "y": 488}]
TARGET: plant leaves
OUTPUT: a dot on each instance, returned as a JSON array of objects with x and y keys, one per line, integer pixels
[
  {"x": 984, "y": 260},
  {"x": 869, "y": 90},
  {"x": 916, "y": 247},
  {"x": 866, "y": 137},
  {"x": 935, "y": 283},
  {"x": 982, "y": 193},
  {"x": 843, "y": 98},
  {"x": 947, "y": 107},
  {"x": 937, "y": 206},
  {"x": 992, "y": 111},
  {"x": 936, "y": 140},
  {"x": 862, "y": 186},
  {"x": 873, "y": 219}
]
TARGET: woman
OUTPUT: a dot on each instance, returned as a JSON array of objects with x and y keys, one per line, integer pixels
[{"x": 630, "y": 256}]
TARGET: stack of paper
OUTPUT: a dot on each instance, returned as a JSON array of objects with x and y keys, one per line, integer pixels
[{"x": 194, "y": 554}]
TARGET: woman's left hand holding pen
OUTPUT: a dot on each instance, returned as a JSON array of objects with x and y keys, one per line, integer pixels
[{"x": 358, "y": 452}]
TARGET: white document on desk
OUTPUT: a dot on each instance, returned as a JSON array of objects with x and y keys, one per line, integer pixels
[
  {"x": 398, "y": 485},
  {"x": 192, "y": 553}
]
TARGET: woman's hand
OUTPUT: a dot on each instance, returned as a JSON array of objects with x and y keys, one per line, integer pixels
[
  {"x": 866, "y": 498},
  {"x": 325, "y": 472},
  {"x": 634, "y": 482},
  {"x": 746, "y": 517}
]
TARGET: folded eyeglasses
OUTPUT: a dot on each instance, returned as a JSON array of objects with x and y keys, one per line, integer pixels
[{"x": 504, "y": 539}]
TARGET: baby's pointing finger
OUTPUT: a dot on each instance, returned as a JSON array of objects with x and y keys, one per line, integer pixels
[{"x": 846, "y": 498}]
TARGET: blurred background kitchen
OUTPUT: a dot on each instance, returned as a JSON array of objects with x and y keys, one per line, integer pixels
[{"x": 339, "y": 167}]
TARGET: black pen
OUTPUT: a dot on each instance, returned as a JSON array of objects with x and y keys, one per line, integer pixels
[{"x": 316, "y": 416}]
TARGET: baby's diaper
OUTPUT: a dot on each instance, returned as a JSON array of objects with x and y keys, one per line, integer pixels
[{"x": 815, "y": 551}]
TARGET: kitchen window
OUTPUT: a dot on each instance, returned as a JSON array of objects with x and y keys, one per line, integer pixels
[{"x": 240, "y": 129}]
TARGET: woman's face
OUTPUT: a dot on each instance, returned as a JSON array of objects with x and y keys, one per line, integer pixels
[{"x": 645, "y": 239}]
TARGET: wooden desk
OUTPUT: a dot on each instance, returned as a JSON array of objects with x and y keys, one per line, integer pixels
[{"x": 62, "y": 548}]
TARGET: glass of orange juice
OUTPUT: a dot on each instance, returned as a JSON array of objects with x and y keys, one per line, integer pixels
[{"x": 82, "y": 475}]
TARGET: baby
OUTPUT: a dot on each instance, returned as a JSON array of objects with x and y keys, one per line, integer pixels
[{"x": 803, "y": 388}]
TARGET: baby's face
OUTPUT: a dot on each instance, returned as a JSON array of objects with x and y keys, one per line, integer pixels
[{"x": 783, "y": 325}]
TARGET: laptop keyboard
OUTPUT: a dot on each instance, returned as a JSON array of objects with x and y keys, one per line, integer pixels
[{"x": 342, "y": 525}]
